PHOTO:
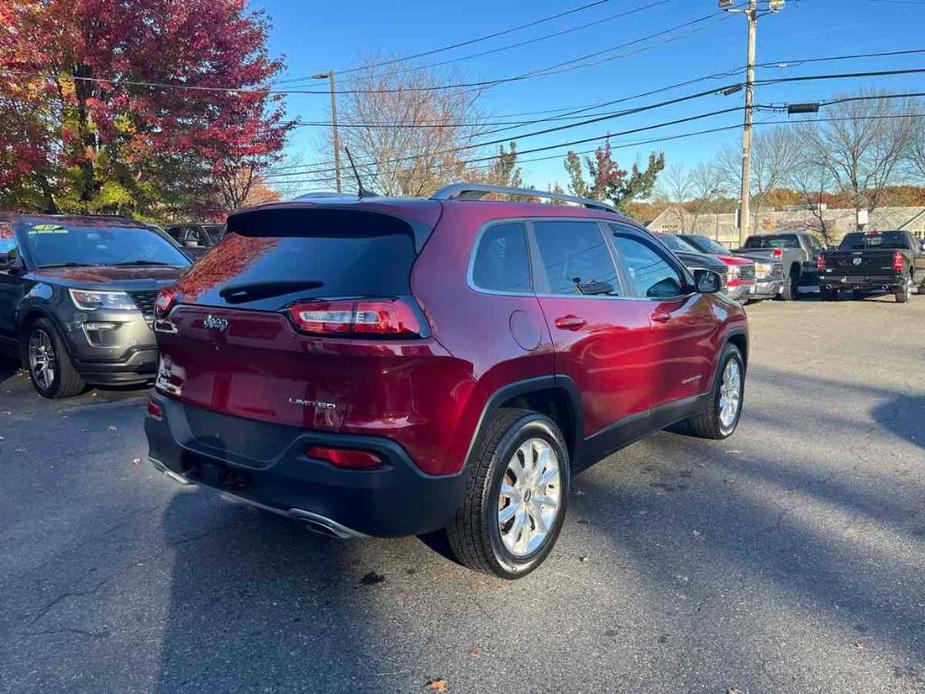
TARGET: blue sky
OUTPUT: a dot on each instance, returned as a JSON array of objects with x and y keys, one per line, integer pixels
[{"x": 315, "y": 36}]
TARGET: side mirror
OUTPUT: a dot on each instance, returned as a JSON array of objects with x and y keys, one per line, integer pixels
[{"x": 707, "y": 281}]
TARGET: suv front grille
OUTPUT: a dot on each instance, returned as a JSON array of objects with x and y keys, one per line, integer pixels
[{"x": 144, "y": 300}]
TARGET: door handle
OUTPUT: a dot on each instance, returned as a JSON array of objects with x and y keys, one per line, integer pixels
[
  {"x": 661, "y": 316},
  {"x": 570, "y": 322}
]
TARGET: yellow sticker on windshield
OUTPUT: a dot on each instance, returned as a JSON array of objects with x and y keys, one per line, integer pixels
[{"x": 47, "y": 229}]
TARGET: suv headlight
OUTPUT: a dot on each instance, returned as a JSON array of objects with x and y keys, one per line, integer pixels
[{"x": 92, "y": 300}]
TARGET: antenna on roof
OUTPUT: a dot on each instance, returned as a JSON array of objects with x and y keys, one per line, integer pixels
[{"x": 362, "y": 191}]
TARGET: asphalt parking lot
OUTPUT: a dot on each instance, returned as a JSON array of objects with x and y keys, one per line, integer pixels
[{"x": 789, "y": 558}]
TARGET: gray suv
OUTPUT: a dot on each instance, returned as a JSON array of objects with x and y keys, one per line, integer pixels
[{"x": 77, "y": 298}]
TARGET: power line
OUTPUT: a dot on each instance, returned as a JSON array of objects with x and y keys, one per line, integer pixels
[
  {"x": 552, "y": 69},
  {"x": 668, "y": 138},
  {"x": 520, "y": 44},
  {"x": 639, "y": 109},
  {"x": 571, "y": 114},
  {"x": 469, "y": 42}
]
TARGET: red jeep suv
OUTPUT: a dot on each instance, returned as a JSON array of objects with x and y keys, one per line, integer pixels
[{"x": 388, "y": 367}]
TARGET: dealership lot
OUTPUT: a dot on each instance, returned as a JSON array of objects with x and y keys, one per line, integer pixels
[{"x": 787, "y": 558}]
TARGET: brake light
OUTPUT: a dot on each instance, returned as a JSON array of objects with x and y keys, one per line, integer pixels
[
  {"x": 899, "y": 263},
  {"x": 393, "y": 317},
  {"x": 345, "y": 458},
  {"x": 166, "y": 300},
  {"x": 155, "y": 410},
  {"x": 778, "y": 253},
  {"x": 820, "y": 263}
]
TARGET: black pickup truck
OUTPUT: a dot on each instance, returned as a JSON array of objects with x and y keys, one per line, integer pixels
[{"x": 873, "y": 261}]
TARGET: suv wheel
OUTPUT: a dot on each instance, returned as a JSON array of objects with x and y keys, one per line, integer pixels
[
  {"x": 721, "y": 417},
  {"x": 50, "y": 368},
  {"x": 515, "y": 500}
]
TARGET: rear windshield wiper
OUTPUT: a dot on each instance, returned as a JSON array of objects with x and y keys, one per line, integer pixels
[
  {"x": 139, "y": 262},
  {"x": 52, "y": 265},
  {"x": 236, "y": 293}
]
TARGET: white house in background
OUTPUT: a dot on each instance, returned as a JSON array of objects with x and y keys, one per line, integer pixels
[{"x": 839, "y": 221}]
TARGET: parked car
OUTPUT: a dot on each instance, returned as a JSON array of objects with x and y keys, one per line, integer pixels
[
  {"x": 196, "y": 238},
  {"x": 798, "y": 252},
  {"x": 867, "y": 262},
  {"x": 390, "y": 367},
  {"x": 741, "y": 280},
  {"x": 77, "y": 298},
  {"x": 694, "y": 259}
]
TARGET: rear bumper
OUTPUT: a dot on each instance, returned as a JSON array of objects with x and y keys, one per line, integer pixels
[
  {"x": 740, "y": 292},
  {"x": 266, "y": 465},
  {"x": 766, "y": 289},
  {"x": 861, "y": 282}
]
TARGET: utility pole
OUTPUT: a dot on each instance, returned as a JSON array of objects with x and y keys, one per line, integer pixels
[
  {"x": 751, "y": 15},
  {"x": 329, "y": 75}
]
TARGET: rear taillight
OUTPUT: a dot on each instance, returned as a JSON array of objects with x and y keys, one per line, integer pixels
[
  {"x": 155, "y": 410},
  {"x": 364, "y": 317},
  {"x": 820, "y": 263},
  {"x": 899, "y": 263},
  {"x": 778, "y": 253},
  {"x": 166, "y": 300},
  {"x": 345, "y": 458}
]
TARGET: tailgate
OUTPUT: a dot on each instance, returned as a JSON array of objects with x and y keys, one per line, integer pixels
[
  {"x": 870, "y": 261},
  {"x": 254, "y": 364}
]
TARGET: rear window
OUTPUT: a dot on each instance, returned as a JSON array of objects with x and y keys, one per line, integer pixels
[
  {"x": 271, "y": 260},
  {"x": 501, "y": 263},
  {"x": 895, "y": 240},
  {"x": 707, "y": 245},
  {"x": 789, "y": 241},
  {"x": 676, "y": 244}
]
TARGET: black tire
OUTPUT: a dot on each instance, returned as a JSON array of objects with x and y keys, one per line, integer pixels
[
  {"x": 828, "y": 294},
  {"x": 65, "y": 381},
  {"x": 707, "y": 424},
  {"x": 904, "y": 293},
  {"x": 791, "y": 287},
  {"x": 475, "y": 533}
]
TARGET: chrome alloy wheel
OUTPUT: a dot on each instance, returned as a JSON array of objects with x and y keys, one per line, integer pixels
[
  {"x": 42, "y": 360},
  {"x": 730, "y": 393},
  {"x": 530, "y": 497}
]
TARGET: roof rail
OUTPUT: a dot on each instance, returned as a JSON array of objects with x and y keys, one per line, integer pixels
[{"x": 475, "y": 191}]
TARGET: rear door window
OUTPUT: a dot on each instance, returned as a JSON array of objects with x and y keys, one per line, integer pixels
[
  {"x": 501, "y": 261},
  {"x": 576, "y": 258}
]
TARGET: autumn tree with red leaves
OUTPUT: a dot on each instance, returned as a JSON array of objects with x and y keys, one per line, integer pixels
[
  {"x": 608, "y": 181},
  {"x": 148, "y": 107}
]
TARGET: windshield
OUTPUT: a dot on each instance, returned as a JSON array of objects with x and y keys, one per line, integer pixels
[
  {"x": 676, "y": 244},
  {"x": 71, "y": 244},
  {"x": 894, "y": 240},
  {"x": 708, "y": 245},
  {"x": 772, "y": 242}
]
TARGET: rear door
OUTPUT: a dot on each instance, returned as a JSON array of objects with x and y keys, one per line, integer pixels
[
  {"x": 233, "y": 344},
  {"x": 682, "y": 345},
  {"x": 601, "y": 339}
]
